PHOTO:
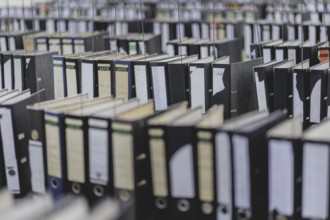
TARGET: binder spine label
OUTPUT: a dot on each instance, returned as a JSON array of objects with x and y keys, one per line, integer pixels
[
  {"x": 71, "y": 79},
  {"x": 315, "y": 103},
  {"x": 75, "y": 150},
  {"x": 242, "y": 172},
  {"x": 315, "y": 188},
  {"x": 218, "y": 83},
  {"x": 281, "y": 177},
  {"x": 197, "y": 87},
  {"x": 58, "y": 78},
  {"x": 182, "y": 173},
  {"x": 261, "y": 92},
  {"x": 141, "y": 86},
  {"x": 205, "y": 166},
  {"x": 132, "y": 48},
  {"x": 79, "y": 46},
  {"x": 53, "y": 147},
  {"x": 223, "y": 172},
  {"x": 87, "y": 78},
  {"x": 37, "y": 167},
  {"x": 18, "y": 74},
  {"x": 298, "y": 103},
  {"x": 159, "y": 87},
  {"x": 122, "y": 81},
  {"x": 98, "y": 151},
  {"x": 8, "y": 74},
  {"x": 123, "y": 156},
  {"x": 158, "y": 162},
  {"x": 9, "y": 151},
  {"x": 41, "y": 44},
  {"x": 104, "y": 79}
]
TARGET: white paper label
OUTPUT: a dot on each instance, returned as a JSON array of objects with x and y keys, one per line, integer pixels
[
  {"x": 71, "y": 79},
  {"x": 9, "y": 151},
  {"x": 218, "y": 83},
  {"x": 204, "y": 52},
  {"x": 196, "y": 33},
  {"x": 159, "y": 87},
  {"x": 18, "y": 74},
  {"x": 54, "y": 160},
  {"x": 8, "y": 74},
  {"x": 87, "y": 79},
  {"x": 170, "y": 49},
  {"x": 298, "y": 104},
  {"x": 247, "y": 39},
  {"x": 267, "y": 55},
  {"x": 292, "y": 55},
  {"x": 312, "y": 34},
  {"x": 37, "y": 167},
  {"x": 104, "y": 79},
  {"x": 141, "y": 85},
  {"x": 281, "y": 177},
  {"x": 123, "y": 160},
  {"x": 276, "y": 32},
  {"x": 158, "y": 167},
  {"x": 182, "y": 173},
  {"x": 242, "y": 172},
  {"x": 58, "y": 79},
  {"x": 98, "y": 151},
  {"x": 75, "y": 154},
  {"x": 197, "y": 88},
  {"x": 315, "y": 103},
  {"x": 223, "y": 172},
  {"x": 261, "y": 92},
  {"x": 279, "y": 54},
  {"x": 315, "y": 188},
  {"x": 165, "y": 35},
  {"x": 79, "y": 46},
  {"x": 3, "y": 44},
  {"x": 12, "y": 44}
]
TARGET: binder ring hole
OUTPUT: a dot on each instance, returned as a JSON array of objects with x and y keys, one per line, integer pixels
[
  {"x": 224, "y": 209},
  {"x": 161, "y": 203},
  {"x": 241, "y": 214},
  {"x": 207, "y": 208},
  {"x": 54, "y": 183},
  {"x": 124, "y": 195},
  {"x": 98, "y": 191},
  {"x": 183, "y": 205},
  {"x": 76, "y": 188}
]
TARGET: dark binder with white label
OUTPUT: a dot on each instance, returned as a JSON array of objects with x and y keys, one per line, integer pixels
[
  {"x": 318, "y": 92},
  {"x": 130, "y": 156},
  {"x": 157, "y": 135},
  {"x": 200, "y": 83},
  {"x": 300, "y": 92},
  {"x": 15, "y": 139},
  {"x": 181, "y": 167},
  {"x": 285, "y": 169},
  {"x": 178, "y": 79},
  {"x": 250, "y": 167},
  {"x": 37, "y": 140},
  {"x": 264, "y": 81},
  {"x": 223, "y": 162},
  {"x": 101, "y": 182},
  {"x": 315, "y": 173},
  {"x": 283, "y": 87}
]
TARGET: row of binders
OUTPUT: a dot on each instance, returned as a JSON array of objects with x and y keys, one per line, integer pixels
[
  {"x": 166, "y": 79},
  {"x": 173, "y": 164},
  {"x": 68, "y": 207}
]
